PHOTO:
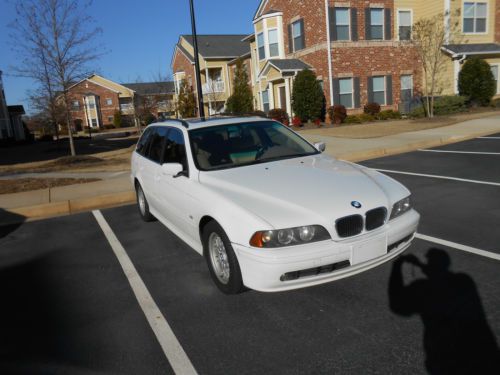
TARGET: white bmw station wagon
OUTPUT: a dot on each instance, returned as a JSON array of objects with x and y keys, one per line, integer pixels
[{"x": 266, "y": 208}]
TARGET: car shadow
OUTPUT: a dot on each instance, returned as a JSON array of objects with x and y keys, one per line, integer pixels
[
  {"x": 457, "y": 337},
  {"x": 9, "y": 222}
]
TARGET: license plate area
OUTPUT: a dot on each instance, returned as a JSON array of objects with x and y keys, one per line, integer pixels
[{"x": 368, "y": 250}]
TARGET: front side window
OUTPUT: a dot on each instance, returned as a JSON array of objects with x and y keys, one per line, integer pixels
[
  {"x": 475, "y": 15},
  {"x": 273, "y": 43},
  {"x": 377, "y": 24},
  {"x": 379, "y": 90},
  {"x": 157, "y": 143},
  {"x": 342, "y": 23},
  {"x": 175, "y": 149},
  {"x": 406, "y": 88},
  {"x": 297, "y": 33},
  {"x": 404, "y": 21},
  {"x": 265, "y": 101},
  {"x": 261, "y": 47},
  {"x": 236, "y": 145},
  {"x": 345, "y": 91},
  {"x": 142, "y": 145}
]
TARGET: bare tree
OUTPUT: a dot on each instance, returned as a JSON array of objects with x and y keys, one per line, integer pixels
[
  {"x": 53, "y": 41},
  {"x": 429, "y": 36}
]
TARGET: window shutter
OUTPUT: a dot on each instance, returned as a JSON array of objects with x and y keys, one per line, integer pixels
[
  {"x": 333, "y": 24},
  {"x": 303, "y": 33},
  {"x": 388, "y": 85},
  {"x": 290, "y": 39},
  {"x": 368, "y": 21},
  {"x": 357, "y": 94},
  {"x": 354, "y": 24},
  {"x": 336, "y": 91},
  {"x": 370, "y": 89},
  {"x": 388, "y": 24}
]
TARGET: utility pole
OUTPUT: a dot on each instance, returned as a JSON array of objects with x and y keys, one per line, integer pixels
[{"x": 201, "y": 107}]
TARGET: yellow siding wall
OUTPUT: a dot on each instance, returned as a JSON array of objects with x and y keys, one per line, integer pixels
[
  {"x": 446, "y": 79},
  {"x": 487, "y": 37},
  {"x": 124, "y": 92}
]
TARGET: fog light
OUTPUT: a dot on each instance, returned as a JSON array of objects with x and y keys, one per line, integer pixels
[{"x": 306, "y": 234}]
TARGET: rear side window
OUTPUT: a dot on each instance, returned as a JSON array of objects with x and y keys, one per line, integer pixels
[
  {"x": 142, "y": 145},
  {"x": 157, "y": 143}
]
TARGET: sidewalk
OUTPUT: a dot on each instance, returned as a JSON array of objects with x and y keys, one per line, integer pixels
[{"x": 117, "y": 189}]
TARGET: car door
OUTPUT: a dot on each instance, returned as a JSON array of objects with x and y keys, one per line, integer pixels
[
  {"x": 152, "y": 164},
  {"x": 175, "y": 196}
]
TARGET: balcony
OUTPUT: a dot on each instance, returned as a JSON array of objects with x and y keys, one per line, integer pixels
[{"x": 213, "y": 87}]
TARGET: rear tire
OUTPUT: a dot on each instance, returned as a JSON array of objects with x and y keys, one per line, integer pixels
[
  {"x": 221, "y": 259},
  {"x": 142, "y": 204}
]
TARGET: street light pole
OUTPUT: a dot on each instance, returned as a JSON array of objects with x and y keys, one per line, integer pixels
[{"x": 201, "y": 107}]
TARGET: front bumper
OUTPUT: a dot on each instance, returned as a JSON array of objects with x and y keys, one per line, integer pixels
[{"x": 263, "y": 269}]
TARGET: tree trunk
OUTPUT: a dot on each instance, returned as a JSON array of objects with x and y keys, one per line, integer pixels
[{"x": 68, "y": 123}]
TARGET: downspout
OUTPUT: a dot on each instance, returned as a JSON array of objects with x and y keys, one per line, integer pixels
[{"x": 329, "y": 51}]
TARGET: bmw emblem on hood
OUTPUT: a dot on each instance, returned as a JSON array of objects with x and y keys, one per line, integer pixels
[{"x": 356, "y": 204}]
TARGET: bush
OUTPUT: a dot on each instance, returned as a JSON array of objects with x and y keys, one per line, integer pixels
[
  {"x": 366, "y": 117},
  {"x": 117, "y": 119},
  {"x": 446, "y": 105},
  {"x": 278, "y": 114},
  {"x": 109, "y": 126},
  {"x": 372, "y": 108},
  {"x": 317, "y": 122},
  {"x": 418, "y": 112},
  {"x": 241, "y": 101},
  {"x": 307, "y": 96},
  {"x": 296, "y": 121},
  {"x": 337, "y": 114},
  {"x": 388, "y": 115},
  {"x": 476, "y": 81}
]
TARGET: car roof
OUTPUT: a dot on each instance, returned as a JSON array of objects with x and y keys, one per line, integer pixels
[{"x": 191, "y": 124}]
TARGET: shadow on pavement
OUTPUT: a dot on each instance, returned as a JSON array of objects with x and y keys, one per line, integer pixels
[
  {"x": 457, "y": 337},
  {"x": 9, "y": 222}
]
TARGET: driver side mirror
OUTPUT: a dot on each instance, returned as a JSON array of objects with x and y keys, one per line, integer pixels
[
  {"x": 171, "y": 169},
  {"x": 320, "y": 146}
]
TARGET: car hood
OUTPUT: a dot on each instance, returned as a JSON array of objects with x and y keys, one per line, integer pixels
[{"x": 301, "y": 191}]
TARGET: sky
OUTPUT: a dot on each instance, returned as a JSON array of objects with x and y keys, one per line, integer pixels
[{"x": 139, "y": 36}]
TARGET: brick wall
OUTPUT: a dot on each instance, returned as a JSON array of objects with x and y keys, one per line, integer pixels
[
  {"x": 86, "y": 87},
  {"x": 182, "y": 64}
]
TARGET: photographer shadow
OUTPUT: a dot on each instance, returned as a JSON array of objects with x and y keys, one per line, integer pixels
[{"x": 457, "y": 338}]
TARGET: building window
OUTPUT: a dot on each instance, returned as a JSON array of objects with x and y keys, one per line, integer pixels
[
  {"x": 272, "y": 36},
  {"x": 265, "y": 101},
  {"x": 75, "y": 104},
  {"x": 110, "y": 119},
  {"x": 406, "y": 88},
  {"x": 261, "y": 46},
  {"x": 109, "y": 101},
  {"x": 345, "y": 92},
  {"x": 342, "y": 23},
  {"x": 94, "y": 123},
  {"x": 404, "y": 22},
  {"x": 475, "y": 15},
  {"x": 377, "y": 24},
  {"x": 494, "y": 70},
  {"x": 298, "y": 35},
  {"x": 379, "y": 90}
]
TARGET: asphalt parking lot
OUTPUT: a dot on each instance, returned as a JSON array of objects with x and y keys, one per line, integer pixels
[{"x": 69, "y": 307}]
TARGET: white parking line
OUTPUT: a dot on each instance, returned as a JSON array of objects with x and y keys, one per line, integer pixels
[
  {"x": 171, "y": 347},
  {"x": 440, "y": 177},
  {"x": 473, "y": 250},
  {"x": 461, "y": 152},
  {"x": 488, "y": 137}
]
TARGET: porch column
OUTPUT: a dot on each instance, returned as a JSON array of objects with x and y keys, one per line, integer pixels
[
  {"x": 456, "y": 66},
  {"x": 288, "y": 97},
  {"x": 271, "y": 95}
]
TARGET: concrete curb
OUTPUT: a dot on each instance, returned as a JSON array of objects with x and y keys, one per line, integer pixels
[
  {"x": 72, "y": 206},
  {"x": 379, "y": 152}
]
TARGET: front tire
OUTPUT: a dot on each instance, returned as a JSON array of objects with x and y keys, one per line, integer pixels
[
  {"x": 142, "y": 204},
  {"x": 221, "y": 259}
]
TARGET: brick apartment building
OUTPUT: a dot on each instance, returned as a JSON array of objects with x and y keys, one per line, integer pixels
[
  {"x": 95, "y": 100},
  {"x": 361, "y": 50},
  {"x": 11, "y": 124}
]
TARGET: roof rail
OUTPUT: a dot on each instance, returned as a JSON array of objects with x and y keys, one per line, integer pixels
[{"x": 183, "y": 122}]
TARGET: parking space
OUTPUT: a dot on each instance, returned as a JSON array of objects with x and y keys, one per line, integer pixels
[{"x": 71, "y": 308}]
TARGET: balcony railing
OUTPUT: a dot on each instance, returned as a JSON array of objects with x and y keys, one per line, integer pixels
[{"x": 213, "y": 87}]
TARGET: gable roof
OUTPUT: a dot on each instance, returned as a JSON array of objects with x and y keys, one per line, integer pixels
[
  {"x": 16, "y": 109},
  {"x": 220, "y": 46},
  {"x": 152, "y": 88},
  {"x": 284, "y": 66},
  {"x": 259, "y": 8},
  {"x": 472, "y": 49}
]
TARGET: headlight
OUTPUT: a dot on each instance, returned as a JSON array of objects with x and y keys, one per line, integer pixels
[
  {"x": 400, "y": 208},
  {"x": 289, "y": 236}
]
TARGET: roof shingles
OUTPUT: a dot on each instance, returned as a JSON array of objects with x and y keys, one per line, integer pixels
[{"x": 222, "y": 46}]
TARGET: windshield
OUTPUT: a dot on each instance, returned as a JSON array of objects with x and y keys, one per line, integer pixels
[{"x": 235, "y": 145}]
